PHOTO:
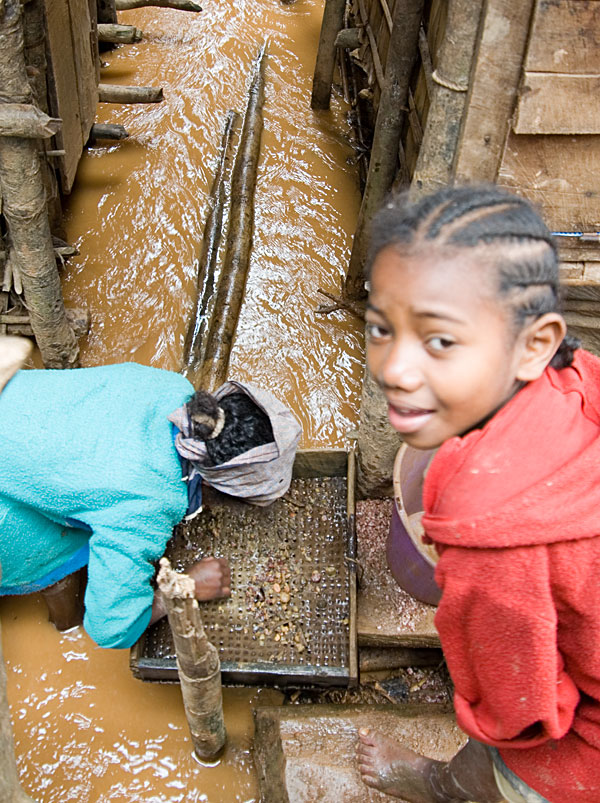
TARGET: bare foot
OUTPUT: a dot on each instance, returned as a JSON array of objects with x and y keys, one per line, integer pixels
[
  {"x": 212, "y": 577},
  {"x": 393, "y": 769}
]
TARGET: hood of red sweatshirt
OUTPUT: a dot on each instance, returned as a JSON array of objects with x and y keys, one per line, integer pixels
[{"x": 531, "y": 475}]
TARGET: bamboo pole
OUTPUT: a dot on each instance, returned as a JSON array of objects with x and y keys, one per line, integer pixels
[
  {"x": 236, "y": 261},
  {"x": 207, "y": 262},
  {"x": 332, "y": 23},
  {"x": 198, "y": 662},
  {"x": 402, "y": 52},
  {"x": 118, "y": 34},
  {"x": 181, "y": 5},
  {"x": 113, "y": 93},
  {"x": 25, "y": 211},
  {"x": 435, "y": 163}
]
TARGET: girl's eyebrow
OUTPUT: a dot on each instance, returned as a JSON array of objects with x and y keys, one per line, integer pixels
[{"x": 440, "y": 316}]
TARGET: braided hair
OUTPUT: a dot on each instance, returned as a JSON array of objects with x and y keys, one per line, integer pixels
[
  {"x": 229, "y": 427},
  {"x": 505, "y": 229}
]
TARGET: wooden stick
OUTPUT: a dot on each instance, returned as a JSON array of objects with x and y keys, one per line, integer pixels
[
  {"x": 25, "y": 120},
  {"x": 181, "y": 5},
  {"x": 119, "y": 34},
  {"x": 107, "y": 131},
  {"x": 207, "y": 262},
  {"x": 113, "y": 93},
  {"x": 198, "y": 662},
  {"x": 402, "y": 52},
  {"x": 232, "y": 280},
  {"x": 333, "y": 21}
]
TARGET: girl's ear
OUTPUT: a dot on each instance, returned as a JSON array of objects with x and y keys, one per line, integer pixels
[{"x": 540, "y": 341}]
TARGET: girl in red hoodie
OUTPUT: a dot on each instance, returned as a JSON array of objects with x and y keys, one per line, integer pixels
[{"x": 467, "y": 343}]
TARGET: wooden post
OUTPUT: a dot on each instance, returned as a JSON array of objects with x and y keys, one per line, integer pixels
[
  {"x": 434, "y": 168},
  {"x": 113, "y": 93},
  {"x": 193, "y": 352},
  {"x": 197, "y": 662},
  {"x": 25, "y": 211},
  {"x": 332, "y": 23},
  {"x": 107, "y": 131},
  {"x": 236, "y": 261},
  {"x": 10, "y": 788},
  {"x": 402, "y": 52}
]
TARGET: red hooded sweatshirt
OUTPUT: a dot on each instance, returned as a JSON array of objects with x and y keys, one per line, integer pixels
[{"x": 514, "y": 511}]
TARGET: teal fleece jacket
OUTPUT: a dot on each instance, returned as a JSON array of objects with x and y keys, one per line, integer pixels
[{"x": 88, "y": 457}]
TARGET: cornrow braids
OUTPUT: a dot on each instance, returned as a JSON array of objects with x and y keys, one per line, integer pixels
[{"x": 504, "y": 228}]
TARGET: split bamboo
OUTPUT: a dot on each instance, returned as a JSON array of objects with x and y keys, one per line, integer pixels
[
  {"x": 118, "y": 34},
  {"x": 181, "y": 5},
  {"x": 332, "y": 23},
  {"x": 402, "y": 53},
  {"x": 207, "y": 261},
  {"x": 25, "y": 211},
  {"x": 198, "y": 662},
  {"x": 236, "y": 260},
  {"x": 113, "y": 93},
  {"x": 435, "y": 162}
]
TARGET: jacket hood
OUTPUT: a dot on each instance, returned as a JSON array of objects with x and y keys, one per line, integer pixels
[{"x": 531, "y": 475}]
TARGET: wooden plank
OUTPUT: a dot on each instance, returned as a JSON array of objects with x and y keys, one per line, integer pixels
[
  {"x": 565, "y": 37},
  {"x": 558, "y": 173},
  {"x": 85, "y": 67},
  {"x": 64, "y": 97},
  {"x": 494, "y": 80},
  {"x": 555, "y": 103}
]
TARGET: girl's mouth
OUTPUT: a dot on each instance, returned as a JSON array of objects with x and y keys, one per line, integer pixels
[{"x": 408, "y": 419}]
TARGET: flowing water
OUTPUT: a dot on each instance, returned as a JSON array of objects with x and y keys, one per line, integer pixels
[{"x": 85, "y": 729}]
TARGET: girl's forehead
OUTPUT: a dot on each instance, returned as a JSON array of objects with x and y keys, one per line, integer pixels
[{"x": 459, "y": 278}]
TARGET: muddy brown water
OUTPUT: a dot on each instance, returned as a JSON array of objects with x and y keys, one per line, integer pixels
[{"x": 85, "y": 729}]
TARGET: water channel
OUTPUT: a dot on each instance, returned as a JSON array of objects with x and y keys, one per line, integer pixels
[{"x": 85, "y": 729}]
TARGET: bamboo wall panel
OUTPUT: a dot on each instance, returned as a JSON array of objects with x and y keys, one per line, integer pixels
[
  {"x": 560, "y": 174},
  {"x": 565, "y": 37},
  {"x": 73, "y": 78}
]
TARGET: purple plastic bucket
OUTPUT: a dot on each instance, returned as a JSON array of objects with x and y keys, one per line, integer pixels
[{"x": 411, "y": 564}]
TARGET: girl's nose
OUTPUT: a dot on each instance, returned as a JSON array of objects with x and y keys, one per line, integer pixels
[{"x": 399, "y": 372}]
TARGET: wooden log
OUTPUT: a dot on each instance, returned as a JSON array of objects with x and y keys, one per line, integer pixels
[
  {"x": 236, "y": 261},
  {"x": 10, "y": 788},
  {"x": 435, "y": 163},
  {"x": 113, "y": 93},
  {"x": 402, "y": 52},
  {"x": 107, "y": 131},
  {"x": 332, "y": 23},
  {"x": 198, "y": 662},
  {"x": 119, "y": 34},
  {"x": 25, "y": 120},
  {"x": 19, "y": 324},
  {"x": 180, "y": 5},
  {"x": 25, "y": 212},
  {"x": 193, "y": 356}
]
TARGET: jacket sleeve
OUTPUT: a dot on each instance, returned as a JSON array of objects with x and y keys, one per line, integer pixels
[
  {"x": 498, "y": 628},
  {"x": 119, "y": 594}
]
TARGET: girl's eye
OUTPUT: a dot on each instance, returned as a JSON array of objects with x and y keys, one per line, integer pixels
[
  {"x": 439, "y": 343},
  {"x": 375, "y": 331}
]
